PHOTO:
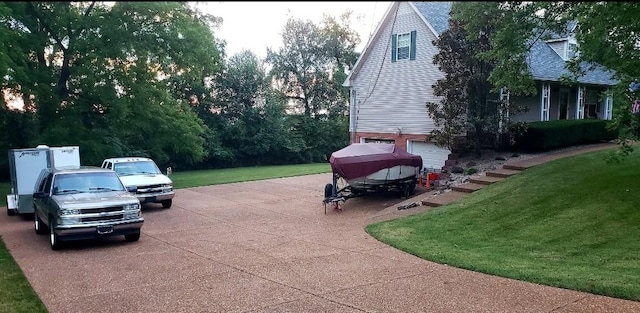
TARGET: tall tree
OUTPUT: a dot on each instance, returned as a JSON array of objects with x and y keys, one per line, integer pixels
[
  {"x": 309, "y": 70},
  {"x": 248, "y": 118},
  {"x": 467, "y": 105},
  {"x": 111, "y": 77}
]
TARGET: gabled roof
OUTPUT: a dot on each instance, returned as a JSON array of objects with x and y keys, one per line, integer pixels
[
  {"x": 544, "y": 63},
  {"x": 436, "y": 14}
]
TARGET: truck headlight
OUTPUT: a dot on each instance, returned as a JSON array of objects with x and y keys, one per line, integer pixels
[
  {"x": 64, "y": 212},
  {"x": 65, "y": 220},
  {"x": 131, "y": 215},
  {"x": 132, "y": 207},
  {"x": 167, "y": 187}
]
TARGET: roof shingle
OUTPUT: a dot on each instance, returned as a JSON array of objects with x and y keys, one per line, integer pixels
[{"x": 544, "y": 63}]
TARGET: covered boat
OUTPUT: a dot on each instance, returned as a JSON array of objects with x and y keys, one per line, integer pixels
[{"x": 375, "y": 166}]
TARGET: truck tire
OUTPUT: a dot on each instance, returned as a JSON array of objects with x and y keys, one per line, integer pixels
[
  {"x": 132, "y": 237},
  {"x": 166, "y": 203},
  {"x": 39, "y": 225},
  {"x": 54, "y": 239}
]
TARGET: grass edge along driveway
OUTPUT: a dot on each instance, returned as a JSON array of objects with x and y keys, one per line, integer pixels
[{"x": 571, "y": 223}]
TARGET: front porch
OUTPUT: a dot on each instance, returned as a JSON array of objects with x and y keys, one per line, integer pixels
[{"x": 556, "y": 101}]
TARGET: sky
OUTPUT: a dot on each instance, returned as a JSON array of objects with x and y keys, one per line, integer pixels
[{"x": 257, "y": 25}]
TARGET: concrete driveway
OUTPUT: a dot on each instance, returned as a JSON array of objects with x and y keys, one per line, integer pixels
[{"x": 268, "y": 246}]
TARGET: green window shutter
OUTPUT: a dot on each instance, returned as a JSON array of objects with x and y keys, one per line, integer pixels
[
  {"x": 394, "y": 39},
  {"x": 412, "y": 52}
]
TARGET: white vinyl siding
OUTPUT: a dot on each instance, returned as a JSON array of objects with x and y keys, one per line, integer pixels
[
  {"x": 558, "y": 47},
  {"x": 533, "y": 115},
  {"x": 394, "y": 94}
]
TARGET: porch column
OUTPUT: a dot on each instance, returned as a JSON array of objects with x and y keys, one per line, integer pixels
[
  {"x": 504, "y": 108},
  {"x": 580, "y": 103},
  {"x": 608, "y": 106},
  {"x": 544, "y": 102}
]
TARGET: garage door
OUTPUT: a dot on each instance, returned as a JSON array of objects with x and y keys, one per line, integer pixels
[{"x": 433, "y": 157}]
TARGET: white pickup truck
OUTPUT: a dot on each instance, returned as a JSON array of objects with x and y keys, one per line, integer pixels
[{"x": 143, "y": 173}]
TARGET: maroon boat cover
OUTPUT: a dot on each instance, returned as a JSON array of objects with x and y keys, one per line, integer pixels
[{"x": 362, "y": 159}]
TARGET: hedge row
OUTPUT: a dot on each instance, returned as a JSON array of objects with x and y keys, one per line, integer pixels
[{"x": 542, "y": 136}]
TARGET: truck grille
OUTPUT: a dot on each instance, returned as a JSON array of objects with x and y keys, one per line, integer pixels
[
  {"x": 149, "y": 189},
  {"x": 116, "y": 217},
  {"x": 100, "y": 210}
]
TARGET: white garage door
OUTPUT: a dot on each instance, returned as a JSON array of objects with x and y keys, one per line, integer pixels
[{"x": 433, "y": 157}]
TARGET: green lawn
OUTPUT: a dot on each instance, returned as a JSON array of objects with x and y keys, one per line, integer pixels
[
  {"x": 232, "y": 175},
  {"x": 572, "y": 223},
  {"x": 16, "y": 294}
]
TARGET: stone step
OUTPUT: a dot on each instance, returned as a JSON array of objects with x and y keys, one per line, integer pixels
[
  {"x": 503, "y": 173},
  {"x": 468, "y": 187},
  {"x": 515, "y": 167},
  {"x": 443, "y": 198},
  {"x": 485, "y": 180}
]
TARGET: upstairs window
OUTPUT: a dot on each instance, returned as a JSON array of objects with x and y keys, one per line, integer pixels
[
  {"x": 403, "y": 46},
  {"x": 404, "y": 43},
  {"x": 571, "y": 50}
]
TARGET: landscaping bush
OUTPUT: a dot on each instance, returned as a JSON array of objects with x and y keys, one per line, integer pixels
[{"x": 543, "y": 136}]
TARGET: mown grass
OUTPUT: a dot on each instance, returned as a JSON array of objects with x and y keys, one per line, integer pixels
[
  {"x": 232, "y": 175},
  {"x": 16, "y": 294},
  {"x": 572, "y": 223}
]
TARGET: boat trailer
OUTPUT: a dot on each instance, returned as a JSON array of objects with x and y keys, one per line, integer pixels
[{"x": 333, "y": 195}]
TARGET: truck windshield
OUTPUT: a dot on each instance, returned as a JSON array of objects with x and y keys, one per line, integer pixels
[
  {"x": 69, "y": 183},
  {"x": 134, "y": 168}
]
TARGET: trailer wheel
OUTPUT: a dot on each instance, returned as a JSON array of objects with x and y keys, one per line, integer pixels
[
  {"x": 12, "y": 212},
  {"x": 407, "y": 190},
  {"x": 412, "y": 189},
  {"x": 328, "y": 190}
]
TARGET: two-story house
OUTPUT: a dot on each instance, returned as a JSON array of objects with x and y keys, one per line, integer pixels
[{"x": 392, "y": 81}]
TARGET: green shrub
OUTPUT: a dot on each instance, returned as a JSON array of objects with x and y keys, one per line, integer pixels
[
  {"x": 542, "y": 136},
  {"x": 472, "y": 170}
]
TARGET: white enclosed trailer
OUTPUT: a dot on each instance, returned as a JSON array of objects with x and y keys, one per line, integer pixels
[{"x": 25, "y": 166}]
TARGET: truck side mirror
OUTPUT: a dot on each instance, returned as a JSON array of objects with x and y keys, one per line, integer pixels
[
  {"x": 132, "y": 189},
  {"x": 39, "y": 194}
]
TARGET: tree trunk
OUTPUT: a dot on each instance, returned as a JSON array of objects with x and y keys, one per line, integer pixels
[{"x": 478, "y": 141}]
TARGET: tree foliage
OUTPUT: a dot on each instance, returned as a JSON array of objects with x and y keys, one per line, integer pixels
[
  {"x": 104, "y": 76},
  {"x": 607, "y": 34},
  {"x": 309, "y": 70},
  {"x": 151, "y": 79},
  {"x": 467, "y": 104}
]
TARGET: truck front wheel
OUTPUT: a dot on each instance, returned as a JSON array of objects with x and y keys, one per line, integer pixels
[
  {"x": 132, "y": 237},
  {"x": 54, "y": 239},
  {"x": 166, "y": 203},
  {"x": 38, "y": 225}
]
